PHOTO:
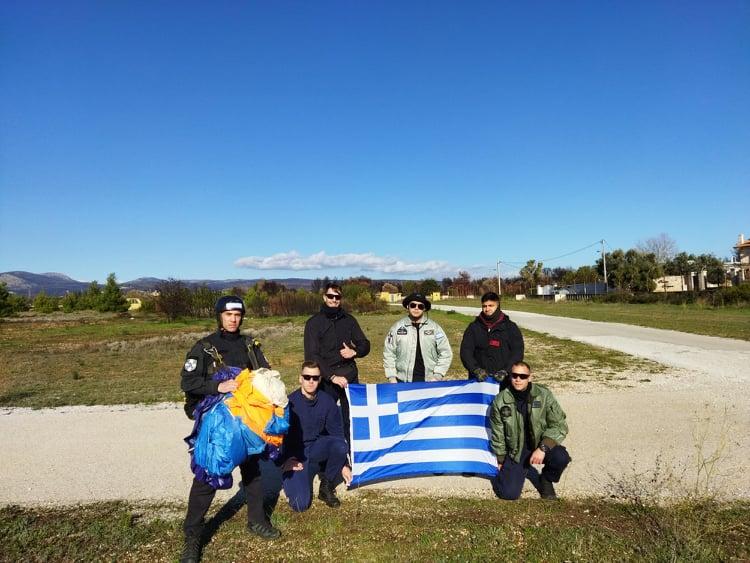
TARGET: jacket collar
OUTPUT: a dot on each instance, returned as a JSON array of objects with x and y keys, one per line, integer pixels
[
  {"x": 508, "y": 397},
  {"x": 406, "y": 321}
]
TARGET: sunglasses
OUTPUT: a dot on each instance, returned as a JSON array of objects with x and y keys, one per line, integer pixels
[
  {"x": 311, "y": 377},
  {"x": 515, "y": 375},
  {"x": 419, "y": 306},
  {"x": 334, "y": 296}
]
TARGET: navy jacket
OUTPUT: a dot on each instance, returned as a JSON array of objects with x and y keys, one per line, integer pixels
[{"x": 308, "y": 420}]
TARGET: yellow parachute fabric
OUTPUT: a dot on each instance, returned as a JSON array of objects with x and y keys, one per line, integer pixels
[{"x": 254, "y": 408}]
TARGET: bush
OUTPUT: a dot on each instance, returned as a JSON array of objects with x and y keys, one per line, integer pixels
[
  {"x": 10, "y": 303},
  {"x": 365, "y": 303},
  {"x": 738, "y": 295},
  {"x": 256, "y": 302},
  {"x": 291, "y": 303},
  {"x": 44, "y": 303}
]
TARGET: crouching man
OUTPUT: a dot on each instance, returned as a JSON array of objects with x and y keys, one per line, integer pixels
[
  {"x": 315, "y": 444},
  {"x": 527, "y": 427}
]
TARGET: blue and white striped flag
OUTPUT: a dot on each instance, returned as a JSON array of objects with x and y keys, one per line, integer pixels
[{"x": 409, "y": 429}]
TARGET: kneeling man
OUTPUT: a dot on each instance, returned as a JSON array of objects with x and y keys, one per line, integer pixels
[
  {"x": 527, "y": 427},
  {"x": 315, "y": 444}
]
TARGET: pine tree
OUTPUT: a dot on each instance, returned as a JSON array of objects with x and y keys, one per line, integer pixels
[{"x": 111, "y": 298}]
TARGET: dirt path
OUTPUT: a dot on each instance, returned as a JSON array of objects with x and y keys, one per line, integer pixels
[{"x": 85, "y": 454}]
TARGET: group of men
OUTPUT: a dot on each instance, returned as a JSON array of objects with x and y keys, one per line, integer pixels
[{"x": 527, "y": 423}]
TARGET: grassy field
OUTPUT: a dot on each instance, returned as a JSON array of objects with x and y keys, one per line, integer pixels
[
  {"x": 730, "y": 322},
  {"x": 378, "y": 527},
  {"x": 104, "y": 359}
]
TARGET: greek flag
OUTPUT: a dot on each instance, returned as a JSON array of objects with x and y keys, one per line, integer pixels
[{"x": 409, "y": 429}]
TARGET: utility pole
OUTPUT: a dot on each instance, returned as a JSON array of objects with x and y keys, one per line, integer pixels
[
  {"x": 604, "y": 263},
  {"x": 499, "y": 287}
]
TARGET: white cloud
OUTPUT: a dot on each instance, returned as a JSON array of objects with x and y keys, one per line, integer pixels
[{"x": 367, "y": 262}]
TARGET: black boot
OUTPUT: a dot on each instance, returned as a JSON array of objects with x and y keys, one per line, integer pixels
[
  {"x": 546, "y": 489},
  {"x": 191, "y": 553},
  {"x": 327, "y": 493},
  {"x": 265, "y": 530}
]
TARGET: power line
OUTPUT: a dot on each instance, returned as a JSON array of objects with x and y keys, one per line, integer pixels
[{"x": 547, "y": 260}]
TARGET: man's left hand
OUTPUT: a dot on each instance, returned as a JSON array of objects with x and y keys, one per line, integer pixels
[
  {"x": 339, "y": 380},
  {"x": 537, "y": 457}
]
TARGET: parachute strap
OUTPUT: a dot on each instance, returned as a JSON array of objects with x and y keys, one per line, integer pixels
[
  {"x": 252, "y": 343},
  {"x": 211, "y": 350}
]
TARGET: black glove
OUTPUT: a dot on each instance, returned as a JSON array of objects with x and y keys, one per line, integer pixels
[
  {"x": 500, "y": 375},
  {"x": 479, "y": 373}
]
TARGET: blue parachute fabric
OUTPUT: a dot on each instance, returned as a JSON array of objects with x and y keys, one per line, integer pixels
[
  {"x": 253, "y": 443},
  {"x": 220, "y": 446},
  {"x": 278, "y": 425}
]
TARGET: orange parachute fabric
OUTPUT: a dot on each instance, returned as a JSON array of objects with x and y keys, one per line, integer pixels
[{"x": 254, "y": 407}]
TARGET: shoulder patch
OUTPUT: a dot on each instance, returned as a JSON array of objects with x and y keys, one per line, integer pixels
[
  {"x": 190, "y": 364},
  {"x": 505, "y": 411},
  {"x": 401, "y": 331}
]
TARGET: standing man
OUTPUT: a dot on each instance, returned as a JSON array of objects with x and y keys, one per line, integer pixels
[
  {"x": 334, "y": 339},
  {"x": 416, "y": 348},
  {"x": 233, "y": 349},
  {"x": 492, "y": 343},
  {"x": 315, "y": 444},
  {"x": 527, "y": 426}
]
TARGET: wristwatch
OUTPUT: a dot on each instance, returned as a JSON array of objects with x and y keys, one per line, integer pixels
[{"x": 544, "y": 447}]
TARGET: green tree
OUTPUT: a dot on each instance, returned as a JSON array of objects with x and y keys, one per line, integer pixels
[
  {"x": 90, "y": 298},
  {"x": 70, "y": 301},
  {"x": 631, "y": 271},
  {"x": 715, "y": 272},
  {"x": 256, "y": 301},
  {"x": 44, "y": 303},
  {"x": 680, "y": 265},
  {"x": 111, "y": 298},
  {"x": 10, "y": 303},
  {"x": 532, "y": 273},
  {"x": 409, "y": 286},
  {"x": 429, "y": 286}
]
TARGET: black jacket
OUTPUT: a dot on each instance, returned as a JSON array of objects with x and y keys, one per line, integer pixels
[
  {"x": 199, "y": 366},
  {"x": 495, "y": 349},
  {"x": 324, "y": 338}
]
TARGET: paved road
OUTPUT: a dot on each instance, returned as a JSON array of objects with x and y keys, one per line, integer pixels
[
  {"x": 86, "y": 454},
  {"x": 676, "y": 349}
]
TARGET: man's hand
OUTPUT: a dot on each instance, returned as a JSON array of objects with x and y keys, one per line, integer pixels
[
  {"x": 346, "y": 473},
  {"x": 228, "y": 386},
  {"x": 347, "y": 353},
  {"x": 339, "y": 380},
  {"x": 392, "y": 380},
  {"x": 537, "y": 457},
  {"x": 480, "y": 374},
  {"x": 500, "y": 375},
  {"x": 292, "y": 464}
]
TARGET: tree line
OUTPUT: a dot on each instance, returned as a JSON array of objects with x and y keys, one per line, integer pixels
[{"x": 96, "y": 298}]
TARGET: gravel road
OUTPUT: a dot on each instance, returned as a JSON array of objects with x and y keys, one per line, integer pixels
[{"x": 625, "y": 435}]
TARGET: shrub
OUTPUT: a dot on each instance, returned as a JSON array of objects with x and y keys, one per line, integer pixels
[
  {"x": 44, "y": 303},
  {"x": 10, "y": 303},
  {"x": 289, "y": 303}
]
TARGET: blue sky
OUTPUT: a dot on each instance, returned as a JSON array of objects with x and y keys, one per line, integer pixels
[{"x": 391, "y": 139}]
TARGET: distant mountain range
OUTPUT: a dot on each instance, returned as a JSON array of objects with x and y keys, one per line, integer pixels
[{"x": 29, "y": 284}]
